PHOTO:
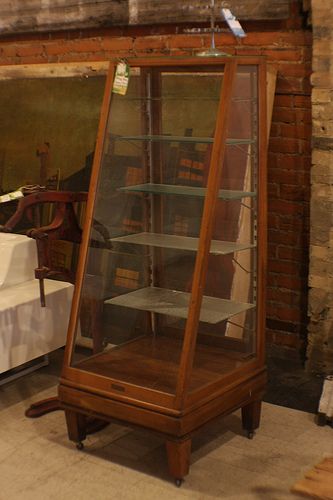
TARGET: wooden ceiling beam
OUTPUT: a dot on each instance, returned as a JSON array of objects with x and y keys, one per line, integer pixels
[{"x": 36, "y": 16}]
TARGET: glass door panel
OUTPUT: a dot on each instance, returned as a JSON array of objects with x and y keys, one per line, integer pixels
[
  {"x": 146, "y": 226},
  {"x": 230, "y": 342}
]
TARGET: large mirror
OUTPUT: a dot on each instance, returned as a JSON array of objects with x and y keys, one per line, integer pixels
[{"x": 48, "y": 124}]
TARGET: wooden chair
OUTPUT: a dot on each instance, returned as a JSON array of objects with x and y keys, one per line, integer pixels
[{"x": 64, "y": 226}]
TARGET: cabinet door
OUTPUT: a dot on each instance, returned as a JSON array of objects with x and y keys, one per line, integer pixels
[
  {"x": 227, "y": 339},
  {"x": 148, "y": 205}
]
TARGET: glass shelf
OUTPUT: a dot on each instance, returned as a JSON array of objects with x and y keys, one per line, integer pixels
[
  {"x": 176, "y": 303},
  {"x": 224, "y": 194},
  {"x": 180, "y": 242},
  {"x": 178, "y": 138}
]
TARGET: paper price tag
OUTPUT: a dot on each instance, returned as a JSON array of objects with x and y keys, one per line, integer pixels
[
  {"x": 233, "y": 23},
  {"x": 120, "y": 82}
]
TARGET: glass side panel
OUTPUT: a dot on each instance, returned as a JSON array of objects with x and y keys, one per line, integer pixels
[
  {"x": 146, "y": 226},
  {"x": 229, "y": 344}
]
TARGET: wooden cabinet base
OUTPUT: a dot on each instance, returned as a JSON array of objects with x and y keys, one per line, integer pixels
[{"x": 82, "y": 407}]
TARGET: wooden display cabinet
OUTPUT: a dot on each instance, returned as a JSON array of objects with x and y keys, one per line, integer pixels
[{"x": 176, "y": 336}]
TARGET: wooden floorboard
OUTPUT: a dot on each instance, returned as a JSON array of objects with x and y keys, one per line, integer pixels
[{"x": 318, "y": 482}]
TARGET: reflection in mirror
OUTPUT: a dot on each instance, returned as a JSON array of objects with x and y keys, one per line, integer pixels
[{"x": 48, "y": 130}]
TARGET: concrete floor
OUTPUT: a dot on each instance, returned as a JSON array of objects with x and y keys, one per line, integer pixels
[{"x": 37, "y": 461}]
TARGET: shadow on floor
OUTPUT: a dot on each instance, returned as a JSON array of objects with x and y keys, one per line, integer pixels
[{"x": 289, "y": 384}]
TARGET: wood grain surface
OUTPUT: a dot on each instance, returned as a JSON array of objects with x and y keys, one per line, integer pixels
[{"x": 35, "y": 16}]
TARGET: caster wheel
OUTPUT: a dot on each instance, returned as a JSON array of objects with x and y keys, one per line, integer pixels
[
  {"x": 178, "y": 482},
  {"x": 250, "y": 434},
  {"x": 80, "y": 445}
]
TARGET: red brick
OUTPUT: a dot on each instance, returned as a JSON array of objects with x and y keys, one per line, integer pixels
[
  {"x": 285, "y": 145},
  {"x": 4, "y": 61},
  {"x": 150, "y": 43},
  {"x": 283, "y": 339},
  {"x": 284, "y": 101},
  {"x": 285, "y": 207},
  {"x": 307, "y": 53},
  {"x": 298, "y": 70},
  {"x": 29, "y": 50},
  {"x": 271, "y": 310},
  {"x": 289, "y": 314},
  {"x": 284, "y": 313},
  {"x": 33, "y": 59},
  {"x": 272, "y": 160},
  {"x": 221, "y": 40},
  {"x": 289, "y": 253},
  {"x": 281, "y": 54},
  {"x": 296, "y": 38},
  {"x": 281, "y": 237},
  {"x": 262, "y": 38},
  {"x": 86, "y": 45},
  {"x": 95, "y": 56},
  {"x": 292, "y": 162},
  {"x": 278, "y": 266},
  {"x": 302, "y": 101},
  {"x": 297, "y": 130},
  {"x": 288, "y": 282},
  {"x": 247, "y": 51},
  {"x": 272, "y": 250},
  {"x": 283, "y": 296},
  {"x": 304, "y": 115},
  {"x": 7, "y": 50},
  {"x": 180, "y": 41},
  {"x": 115, "y": 43},
  {"x": 272, "y": 190},
  {"x": 296, "y": 193},
  {"x": 273, "y": 222},
  {"x": 275, "y": 130},
  {"x": 290, "y": 223},
  {"x": 57, "y": 47},
  {"x": 284, "y": 115},
  {"x": 291, "y": 84},
  {"x": 284, "y": 176}
]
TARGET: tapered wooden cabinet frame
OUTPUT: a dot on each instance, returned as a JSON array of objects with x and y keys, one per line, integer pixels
[{"x": 176, "y": 415}]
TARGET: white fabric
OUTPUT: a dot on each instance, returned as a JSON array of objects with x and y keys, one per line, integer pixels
[
  {"x": 27, "y": 330},
  {"x": 18, "y": 259}
]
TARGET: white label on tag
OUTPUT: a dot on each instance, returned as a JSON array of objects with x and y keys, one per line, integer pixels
[
  {"x": 233, "y": 23},
  {"x": 121, "y": 78}
]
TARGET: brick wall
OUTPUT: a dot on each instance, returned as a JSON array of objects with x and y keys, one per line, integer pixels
[
  {"x": 287, "y": 45},
  {"x": 320, "y": 348}
]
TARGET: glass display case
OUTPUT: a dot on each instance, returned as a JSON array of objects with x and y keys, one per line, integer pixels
[{"x": 167, "y": 323}]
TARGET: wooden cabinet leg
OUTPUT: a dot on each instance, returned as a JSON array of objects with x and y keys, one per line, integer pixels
[
  {"x": 179, "y": 453},
  {"x": 76, "y": 427},
  {"x": 251, "y": 417}
]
